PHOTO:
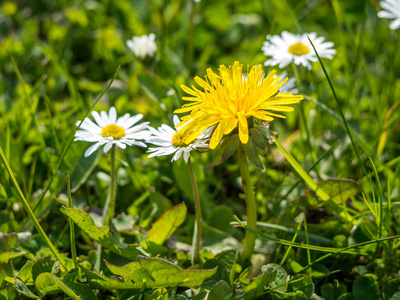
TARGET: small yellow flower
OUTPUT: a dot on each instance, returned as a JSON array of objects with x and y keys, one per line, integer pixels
[{"x": 229, "y": 99}]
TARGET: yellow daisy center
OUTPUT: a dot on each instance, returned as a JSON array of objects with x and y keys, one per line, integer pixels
[
  {"x": 299, "y": 49},
  {"x": 113, "y": 130},
  {"x": 179, "y": 141}
]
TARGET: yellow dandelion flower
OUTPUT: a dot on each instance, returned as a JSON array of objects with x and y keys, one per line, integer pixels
[{"x": 229, "y": 99}]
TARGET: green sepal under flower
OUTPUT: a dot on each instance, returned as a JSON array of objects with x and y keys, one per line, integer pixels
[{"x": 259, "y": 139}]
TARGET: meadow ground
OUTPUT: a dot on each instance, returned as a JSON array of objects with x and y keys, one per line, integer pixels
[{"x": 319, "y": 189}]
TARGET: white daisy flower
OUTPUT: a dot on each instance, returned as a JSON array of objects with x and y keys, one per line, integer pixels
[
  {"x": 289, "y": 86},
  {"x": 288, "y": 46},
  {"x": 169, "y": 141},
  {"x": 109, "y": 131},
  {"x": 391, "y": 11},
  {"x": 143, "y": 46}
]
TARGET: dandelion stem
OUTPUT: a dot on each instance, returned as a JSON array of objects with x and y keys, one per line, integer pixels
[
  {"x": 109, "y": 206},
  {"x": 197, "y": 247},
  {"x": 251, "y": 208}
]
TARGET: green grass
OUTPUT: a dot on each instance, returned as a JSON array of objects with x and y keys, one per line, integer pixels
[{"x": 327, "y": 199}]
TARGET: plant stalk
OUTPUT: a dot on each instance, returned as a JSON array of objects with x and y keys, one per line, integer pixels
[
  {"x": 251, "y": 207},
  {"x": 29, "y": 211},
  {"x": 197, "y": 247},
  {"x": 71, "y": 223},
  {"x": 109, "y": 206}
]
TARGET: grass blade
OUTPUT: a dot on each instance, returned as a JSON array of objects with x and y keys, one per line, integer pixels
[
  {"x": 303, "y": 174},
  {"x": 340, "y": 109}
]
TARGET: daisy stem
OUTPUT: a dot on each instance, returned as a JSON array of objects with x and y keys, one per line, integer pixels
[
  {"x": 109, "y": 206},
  {"x": 111, "y": 196},
  {"x": 196, "y": 256},
  {"x": 71, "y": 223},
  {"x": 251, "y": 207}
]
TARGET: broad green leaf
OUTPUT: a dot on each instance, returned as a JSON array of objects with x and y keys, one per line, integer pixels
[
  {"x": 182, "y": 177},
  {"x": 301, "y": 282},
  {"x": 302, "y": 173},
  {"x": 23, "y": 289},
  {"x": 14, "y": 252},
  {"x": 347, "y": 296},
  {"x": 339, "y": 189},
  {"x": 42, "y": 265},
  {"x": 391, "y": 291},
  {"x": 220, "y": 291},
  {"x": 8, "y": 292},
  {"x": 74, "y": 290},
  {"x": 101, "y": 234},
  {"x": 165, "y": 226},
  {"x": 45, "y": 284},
  {"x": 332, "y": 292},
  {"x": 220, "y": 218},
  {"x": 228, "y": 258},
  {"x": 25, "y": 273},
  {"x": 48, "y": 283},
  {"x": 366, "y": 288},
  {"x": 86, "y": 223},
  {"x": 158, "y": 294},
  {"x": 221, "y": 274},
  {"x": 3, "y": 275},
  {"x": 157, "y": 272},
  {"x": 258, "y": 284},
  {"x": 280, "y": 281}
]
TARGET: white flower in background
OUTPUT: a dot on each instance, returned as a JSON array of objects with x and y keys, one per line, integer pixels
[
  {"x": 289, "y": 86},
  {"x": 288, "y": 46},
  {"x": 143, "y": 46},
  {"x": 109, "y": 131},
  {"x": 169, "y": 141},
  {"x": 391, "y": 11}
]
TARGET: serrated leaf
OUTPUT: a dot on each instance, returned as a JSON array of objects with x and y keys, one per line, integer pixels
[
  {"x": 23, "y": 289},
  {"x": 166, "y": 225},
  {"x": 157, "y": 272},
  {"x": 391, "y": 291},
  {"x": 86, "y": 223},
  {"x": 220, "y": 291},
  {"x": 14, "y": 252}
]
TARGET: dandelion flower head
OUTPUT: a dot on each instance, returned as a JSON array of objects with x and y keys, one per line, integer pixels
[
  {"x": 107, "y": 130},
  {"x": 229, "y": 99},
  {"x": 289, "y": 47}
]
